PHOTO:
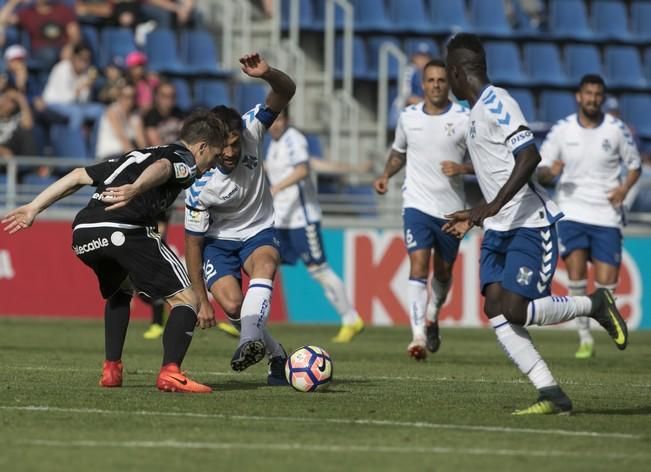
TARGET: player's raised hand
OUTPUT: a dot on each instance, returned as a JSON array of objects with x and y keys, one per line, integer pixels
[
  {"x": 617, "y": 196},
  {"x": 206, "y": 315},
  {"x": 450, "y": 168},
  {"x": 20, "y": 218},
  {"x": 254, "y": 65},
  {"x": 381, "y": 184},
  {"x": 119, "y": 196},
  {"x": 557, "y": 168}
]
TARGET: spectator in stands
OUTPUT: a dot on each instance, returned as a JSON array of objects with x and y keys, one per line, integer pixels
[
  {"x": 18, "y": 75},
  {"x": 411, "y": 85},
  {"x": 532, "y": 10},
  {"x": 52, "y": 28},
  {"x": 120, "y": 128},
  {"x": 163, "y": 122},
  {"x": 114, "y": 80},
  {"x": 144, "y": 81},
  {"x": 170, "y": 13},
  {"x": 95, "y": 12},
  {"x": 16, "y": 125},
  {"x": 126, "y": 13},
  {"x": 69, "y": 86}
]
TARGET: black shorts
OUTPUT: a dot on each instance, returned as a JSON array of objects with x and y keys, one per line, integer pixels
[{"x": 117, "y": 251}]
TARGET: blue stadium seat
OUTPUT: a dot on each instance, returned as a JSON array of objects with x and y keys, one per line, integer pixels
[
  {"x": 37, "y": 182},
  {"x": 641, "y": 20},
  {"x": 581, "y": 59},
  {"x": 183, "y": 95},
  {"x": 91, "y": 37},
  {"x": 162, "y": 52},
  {"x": 610, "y": 20},
  {"x": 211, "y": 92},
  {"x": 374, "y": 44},
  {"x": 314, "y": 145},
  {"x": 647, "y": 63},
  {"x": 198, "y": 52},
  {"x": 543, "y": 64},
  {"x": 371, "y": 16},
  {"x": 504, "y": 65},
  {"x": 68, "y": 142},
  {"x": 360, "y": 59},
  {"x": 409, "y": 16},
  {"x": 449, "y": 16},
  {"x": 413, "y": 44},
  {"x": 319, "y": 16},
  {"x": 635, "y": 110},
  {"x": 248, "y": 95},
  {"x": 569, "y": 19},
  {"x": 3, "y": 179},
  {"x": 623, "y": 67},
  {"x": 115, "y": 43},
  {"x": 555, "y": 105},
  {"x": 306, "y": 15},
  {"x": 489, "y": 18},
  {"x": 525, "y": 100}
]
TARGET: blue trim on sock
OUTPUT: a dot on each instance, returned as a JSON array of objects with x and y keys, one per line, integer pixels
[
  {"x": 261, "y": 285},
  {"x": 422, "y": 281},
  {"x": 500, "y": 325},
  {"x": 533, "y": 311}
]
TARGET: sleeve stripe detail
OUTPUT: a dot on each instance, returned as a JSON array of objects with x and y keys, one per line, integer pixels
[{"x": 521, "y": 147}]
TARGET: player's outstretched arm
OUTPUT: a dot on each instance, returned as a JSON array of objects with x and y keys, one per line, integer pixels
[
  {"x": 156, "y": 174},
  {"x": 24, "y": 216},
  {"x": 282, "y": 86},
  {"x": 395, "y": 162},
  {"x": 194, "y": 262}
]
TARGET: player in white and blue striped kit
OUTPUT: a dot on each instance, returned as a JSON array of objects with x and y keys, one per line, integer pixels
[
  {"x": 519, "y": 249},
  {"x": 587, "y": 150}
]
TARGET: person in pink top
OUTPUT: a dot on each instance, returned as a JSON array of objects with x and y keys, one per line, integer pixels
[{"x": 144, "y": 80}]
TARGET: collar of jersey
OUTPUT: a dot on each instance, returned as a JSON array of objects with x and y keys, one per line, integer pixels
[
  {"x": 578, "y": 122},
  {"x": 447, "y": 109}
]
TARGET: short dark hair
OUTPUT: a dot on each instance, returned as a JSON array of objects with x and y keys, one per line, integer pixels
[
  {"x": 434, "y": 63},
  {"x": 81, "y": 47},
  {"x": 230, "y": 116},
  {"x": 203, "y": 125},
  {"x": 592, "y": 79},
  {"x": 474, "y": 59}
]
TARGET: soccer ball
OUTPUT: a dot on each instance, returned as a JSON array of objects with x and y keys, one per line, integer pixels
[{"x": 309, "y": 368}]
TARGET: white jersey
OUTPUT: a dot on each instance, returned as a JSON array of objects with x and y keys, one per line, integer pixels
[
  {"x": 237, "y": 205},
  {"x": 493, "y": 143},
  {"x": 593, "y": 159},
  {"x": 429, "y": 140},
  {"x": 295, "y": 206}
]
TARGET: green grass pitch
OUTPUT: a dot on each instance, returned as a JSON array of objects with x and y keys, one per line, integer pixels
[{"x": 383, "y": 411}]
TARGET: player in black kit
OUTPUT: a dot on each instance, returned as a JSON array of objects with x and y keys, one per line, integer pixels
[{"x": 115, "y": 235}]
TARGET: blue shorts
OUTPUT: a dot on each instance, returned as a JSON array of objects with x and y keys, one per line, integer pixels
[
  {"x": 603, "y": 243},
  {"x": 522, "y": 260},
  {"x": 305, "y": 244},
  {"x": 423, "y": 231},
  {"x": 223, "y": 257}
]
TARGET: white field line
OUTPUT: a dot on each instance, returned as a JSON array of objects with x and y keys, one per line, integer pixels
[
  {"x": 325, "y": 448},
  {"x": 346, "y": 421},
  {"x": 399, "y": 378}
]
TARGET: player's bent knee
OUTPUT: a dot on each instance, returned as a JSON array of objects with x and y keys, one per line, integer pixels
[
  {"x": 231, "y": 307},
  {"x": 184, "y": 297},
  {"x": 492, "y": 308}
]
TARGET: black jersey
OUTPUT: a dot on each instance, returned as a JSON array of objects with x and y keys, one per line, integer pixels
[{"x": 143, "y": 209}]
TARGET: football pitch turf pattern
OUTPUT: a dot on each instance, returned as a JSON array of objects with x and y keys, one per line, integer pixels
[{"x": 383, "y": 411}]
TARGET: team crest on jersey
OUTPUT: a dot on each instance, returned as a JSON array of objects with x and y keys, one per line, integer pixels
[
  {"x": 473, "y": 129},
  {"x": 524, "y": 276},
  {"x": 250, "y": 162},
  {"x": 449, "y": 128},
  {"x": 606, "y": 146}
]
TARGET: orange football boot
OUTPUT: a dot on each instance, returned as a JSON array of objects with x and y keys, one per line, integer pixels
[
  {"x": 111, "y": 374},
  {"x": 171, "y": 379}
]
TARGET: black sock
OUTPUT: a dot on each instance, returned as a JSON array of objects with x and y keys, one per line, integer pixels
[
  {"x": 176, "y": 339},
  {"x": 116, "y": 321},
  {"x": 157, "y": 308}
]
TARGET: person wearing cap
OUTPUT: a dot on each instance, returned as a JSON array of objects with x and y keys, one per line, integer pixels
[
  {"x": 18, "y": 75},
  {"x": 144, "y": 81}
]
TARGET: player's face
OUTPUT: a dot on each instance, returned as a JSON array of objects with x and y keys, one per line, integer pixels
[
  {"x": 435, "y": 86},
  {"x": 590, "y": 99},
  {"x": 230, "y": 154},
  {"x": 207, "y": 156},
  {"x": 453, "y": 73}
]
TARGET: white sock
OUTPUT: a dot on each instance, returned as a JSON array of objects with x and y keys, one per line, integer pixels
[
  {"x": 272, "y": 346},
  {"x": 417, "y": 296},
  {"x": 577, "y": 288},
  {"x": 517, "y": 344},
  {"x": 439, "y": 295},
  {"x": 335, "y": 292},
  {"x": 554, "y": 310},
  {"x": 255, "y": 309}
]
